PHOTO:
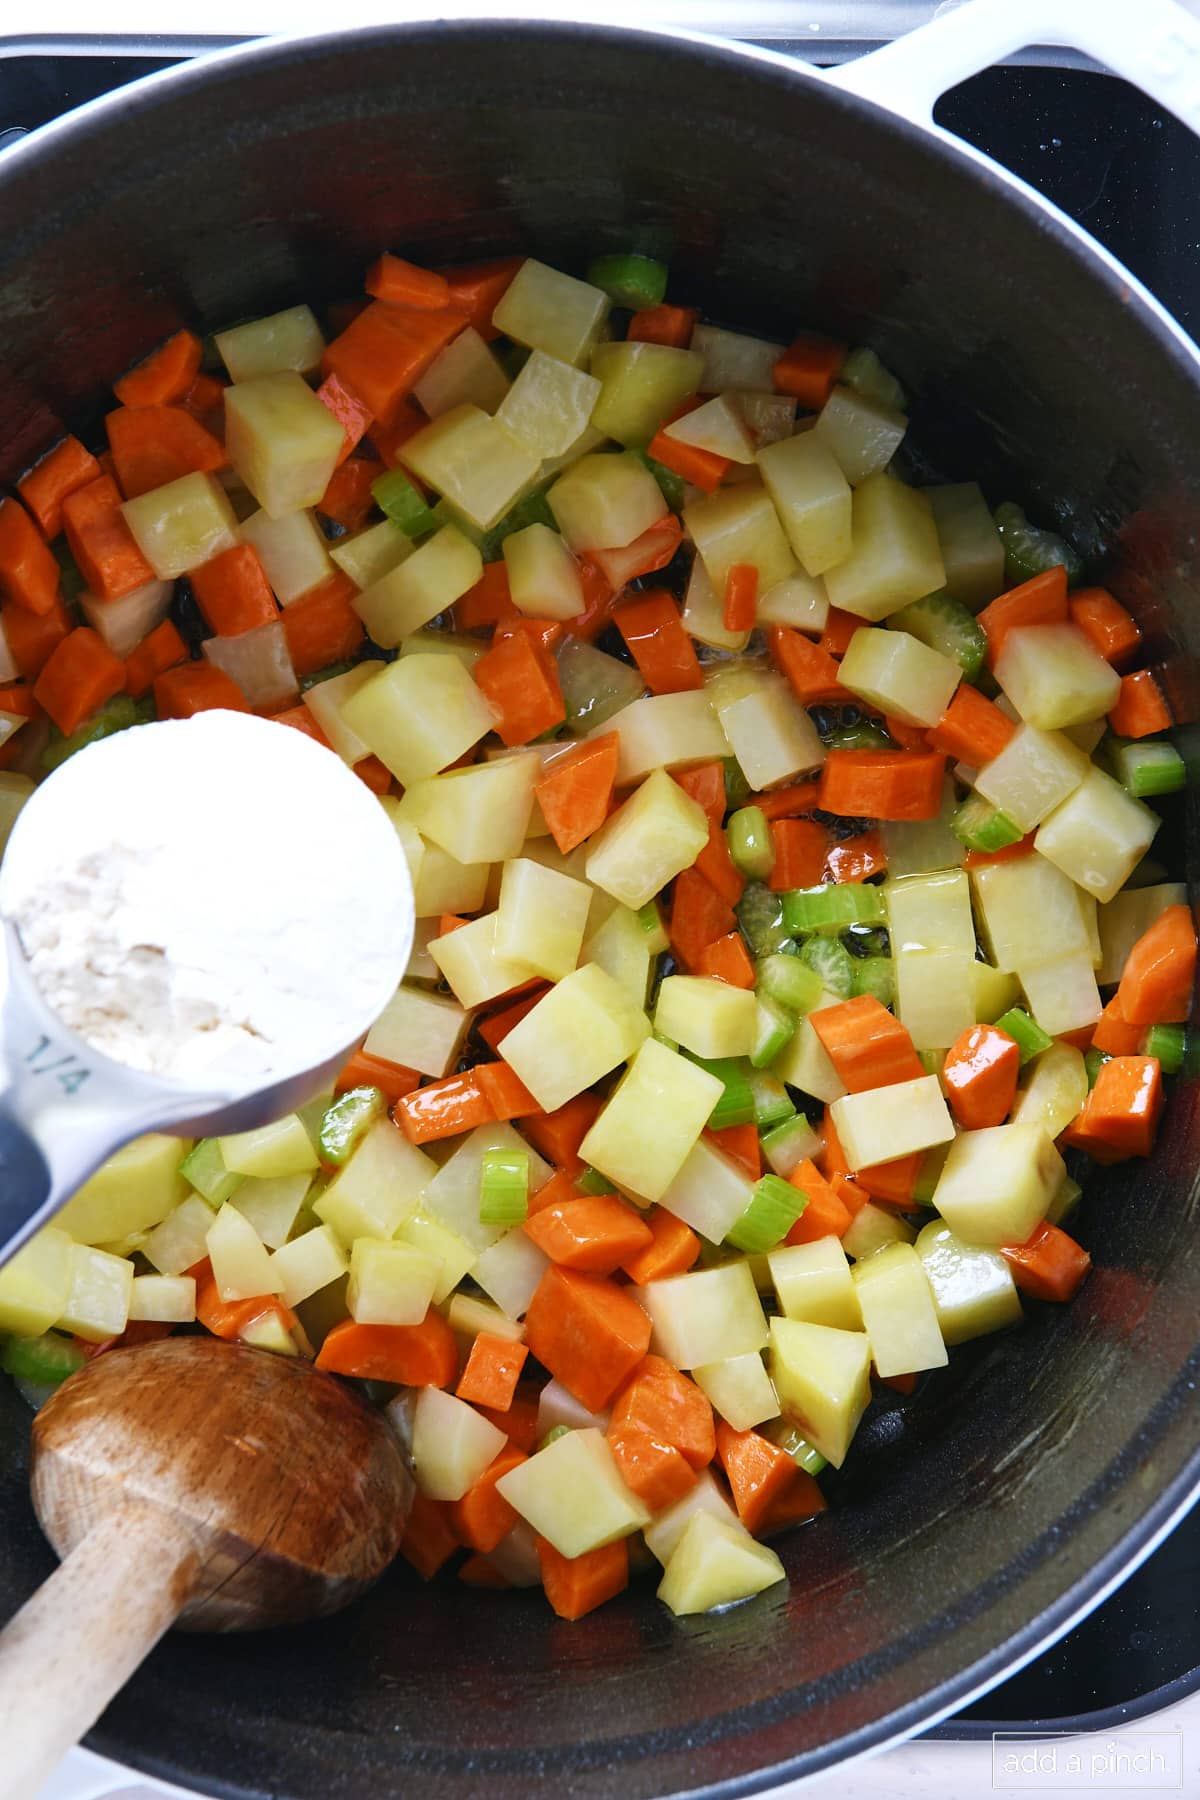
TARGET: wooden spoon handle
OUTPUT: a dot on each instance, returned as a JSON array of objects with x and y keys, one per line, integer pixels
[{"x": 75, "y": 1643}]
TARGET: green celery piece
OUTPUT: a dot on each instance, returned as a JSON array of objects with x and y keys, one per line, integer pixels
[
  {"x": 630, "y": 280},
  {"x": 929, "y": 1174},
  {"x": 532, "y": 510},
  {"x": 736, "y": 1105},
  {"x": 672, "y": 486},
  {"x": 834, "y": 906},
  {"x": 204, "y": 1169},
  {"x": 932, "y": 1061},
  {"x": 875, "y": 975},
  {"x": 115, "y": 715},
  {"x": 593, "y": 1182},
  {"x": 504, "y": 1187},
  {"x": 1030, "y": 551},
  {"x": 325, "y": 674},
  {"x": 760, "y": 915},
  {"x": 1148, "y": 768},
  {"x": 1169, "y": 1044},
  {"x": 660, "y": 1037},
  {"x": 650, "y": 919},
  {"x": 44, "y": 1360},
  {"x": 774, "y": 1030},
  {"x": 981, "y": 826},
  {"x": 396, "y": 496},
  {"x": 832, "y": 962},
  {"x": 737, "y": 788},
  {"x": 773, "y": 1105},
  {"x": 347, "y": 1122},
  {"x": 1030, "y": 1038},
  {"x": 553, "y": 1435},
  {"x": 806, "y": 1456},
  {"x": 784, "y": 1144},
  {"x": 1093, "y": 1062},
  {"x": 774, "y": 1207},
  {"x": 863, "y": 371},
  {"x": 788, "y": 981},
  {"x": 751, "y": 845},
  {"x": 945, "y": 625},
  {"x": 863, "y": 736}
]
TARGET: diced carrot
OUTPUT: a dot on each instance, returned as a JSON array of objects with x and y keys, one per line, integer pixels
[
  {"x": 705, "y": 784},
  {"x": 482, "y": 1517},
  {"x": 493, "y": 1028},
  {"x": 556, "y": 1192},
  {"x": 233, "y": 593},
  {"x": 1111, "y": 630},
  {"x": 740, "y": 1142},
  {"x": 972, "y": 729},
  {"x": 598, "y": 597},
  {"x": 657, "y": 1473},
  {"x": 576, "y": 1585},
  {"x": 840, "y": 627},
  {"x": 449, "y": 922},
  {"x": 1156, "y": 983},
  {"x": 900, "y": 1384},
  {"x": 801, "y": 849},
  {"x": 664, "y": 1402},
  {"x": 559, "y": 1134},
  {"x": 672, "y": 1250},
  {"x": 392, "y": 1079},
  {"x": 44, "y": 487},
  {"x": 165, "y": 375},
  {"x": 808, "y": 369},
  {"x": 1113, "y": 1033},
  {"x": 298, "y": 718},
  {"x": 520, "y": 679},
  {"x": 894, "y": 1183},
  {"x": 489, "y": 602},
  {"x": 1120, "y": 1116},
  {"x": 389, "y": 440},
  {"x": 979, "y": 859},
  {"x": 18, "y": 698},
  {"x": 519, "y": 1422},
  {"x": 196, "y": 687},
  {"x": 28, "y": 567},
  {"x": 32, "y": 637},
  {"x": 491, "y": 1375},
  {"x": 100, "y": 541},
  {"x": 717, "y": 866},
  {"x": 661, "y": 648},
  {"x": 576, "y": 788},
  {"x": 980, "y": 1076},
  {"x": 322, "y": 627},
  {"x": 867, "y": 1045},
  {"x": 347, "y": 499},
  {"x": 81, "y": 673},
  {"x": 1141, "y": 707},
  {"x": 1080, "y": 1039},
  {"x": 1049, "y": 1265},
  {"x": 801, "y": 1500},
  {"x": 645, "y": 556},
  {"x": 908, "y": 737},
  {"x": 504, "y": 1091},
  {"x": 138, "y": 1331},
  {"x": 205, "y": 400},
  {"x": 741, "y": 597},
  {"x": 229, "y": 1318},
  {"x": 825, "y": 1215},
  {"x": 832, "y": 1157},
  {"x": 1039, "y": 601},
  {"x": 481, "y": 1572},
  {"x": 351, "y": 413},
  {"x": 152, "y": 445},
  {"x": 542, "y": 633},
  {"x": 442, "y": 1109},
  {"x": 727, "y": 959},
  {"x": 809, "y": 668},
  {"x": 401, "y": 283},
  {"x": 386, "y": 349},
  {"x": 424, "y": 1355},
  {"x": 787, "y": 802},
  {"x": 374, "y": 774},
  {"x": 429, "y": 1538},
  {"x": 590, "y": 1333},
  {"x": 663, "y": 324},
  {"x": 883, "y": 784},
  {"x": 758, "y": 1471},
  {"x": 703, "y": 469},
  {"x": 593, "y": 1232},
  {"x": 477, "y": 289},
  {"x": 856, "y": 858},
  {"x": 699, "y": 916},
  {"x": 160, "y": 650}
]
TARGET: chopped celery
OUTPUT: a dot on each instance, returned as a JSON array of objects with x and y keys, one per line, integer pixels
[
  {"x": 1031, "y": 1039},
  {"x": 760, "y": 915},
  {"x": 326, "y": 674},
  {"x": 834, "y": 906},
  {"x": 832, "y": 962},
  {"x": 116, "y": 715},
  {"x": 1030, "y": 551},
  {"x": 396, "y": 496},
  {"x": 672, "y": 486},
  {"x": 929, "y": 1173},
  {"x": 751, "y": 846},
  {"x": 737, "y": 788},
  {"x": 1169, "y": 1044},
  {"x": 1093, "y": 1062},
  {"x": 774, "y": 1026},
  {"x": 863, "y": 371},
  {"x": 593, "y": 1182},
  {"x": 650, "y": 918},
  {"x": 788, "y": 981},
  {"x": 1146, "y": 769},
  {"x": 932, "y": 1061},
  {"x": 532, "y": 510},
  {"x": 788, "y": 1143},
  {"x": 736, "y": 1105},
  {"x": 346, "y": 1123},
  {"x": 981, "y": 826},
  {"x": 630, "y": 280},
  {"x": 945, "y": 625},
  {"x": 774, "y": 1207},
  {"x": 594, "y": 685},
  {"x": 804, "y": 1454},
  {"x": 503, "y": 1187},
  {"x": 204, "y": 1167},
  {"x": 861, "y": 736},
  {"x": 875, "y": 975},
  {"x": 44, "y": 1360},
  {"x": 772, "y": 1102},
  {"x": 552, "y": 1436}
]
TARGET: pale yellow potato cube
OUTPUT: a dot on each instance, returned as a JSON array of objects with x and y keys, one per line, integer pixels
[
  {"x": 667, "y": 1527},
  {"x": 715, "y": 1563},
  {"x": 423, "y": 585},
  {"x": 872, "y": 1228},
  {"x": 704, "y": 612},
  {"x": 973, "y": 1288},
  {"x": 373, "y": 1194},
  {"x": 281, "y": 1148},
  {"x": 241, "y": 1263},
  {"x": 896, "y": 557},
  {"x": 184, "y": 523},
  {"x": 35, "y": 1283},
  {"x": 885, "y": 1123},
  {"x": 930, "y": 911},
  {"x": 418, "y": 1031},
  {"x": 572, "y": 1494},
  {"x": 651, "y": 1120},
  {"x": 863, "y": 434},
  {"x": 578, "y": 1032},
  {"x": 740, "y": 525},
  {"x": 325, "y": 700},
  {"x": 453, "y": 1193},
  {"x": 1055, "y": 676},
  {"x": 272, "y": 1204},
  {"x": 733, "y": 359},
  {"x": 469, "y": 458},
  {"x": 284, "y": 340},
  {"x": 291, "y": 550},
  {"x": 769, "y": 416},
  {"x": 175, "y": 1245},
  {"x": 1098, "y": 835},
  {"x": 468, "y": 1317},
  {"x": 622, "y": 949},
  {"x": 282, "y": 442},
  {"x": 541, "y": 918},
  {"x": 664, "y": 731},
  {"x": 812, "y": 498},
  {"x": 549, "y": 404},
  {"x": 920, "y": 845},
  {"x": 479, "y": 814},
  {"x": 1123, "y": 920},
  {"x": 121, "y": 623},
  {"x": 373, "y": 553},
  {"x": 1055, "y": 1088},
  {"x": 510, "y": 1270},
  {"x": 997, "y": 1183},
  {"x": 740, "y": 1390},
  {"x": 897, "y": 674},
  {"x": 706, "y": 1016},
  {"x": 804, "y": 1063},
  {"x": 134, "y": 1189},
  {"x": 641, "y": 385},
  {"x": 769, "y": 732},
  {"x": 169, "y": 1299},
  {"x": 390, "y": 1283},
  {"x": 471, "y": 964},
  {"x": 442, "y": 884},
  {"x": 466, "y": 371},
  {"x": 543, "y": 576},
  {"x": 98, "y": 1299},
  {"x": 972, "y": 548},
  {"x": 718, "y": 426},
  {"x": 898, "y": 1312},
  {"x": 452, "y": 1254},
  {"x": 706, "y": 1317},
  {"x": 604, "y": 502},
  {"x": 1033, "y": 774},
  {"x": 935, "y": 995},
  {"x": 311, "y": 1262},
  {"x": 812, "y": 1281},
  {"x": 452, "y": 1444},
  {"x": 647, "y": 841},
  {"x": 1027, "y": 910},
  {"x": 436, "y": 642},
  {"x": 822, "y": 1377},
  {"x": 550, "y": 311},
  {"x": 799, "y": 600},
  {"x": 1061, "y": 992},
  {"x": 710, "y": 1192}
]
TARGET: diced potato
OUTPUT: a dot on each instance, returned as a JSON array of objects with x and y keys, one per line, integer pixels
[
  {"x": 710, "y": 1193},
  {"x": 292, "y": 551},
  {"x": 706, "y": 1016},
  {"x": 272, "y": 1205},
  {"x": 549, "y": 404},
  {"x": 972, "y": 549},
  {"x": 594, "y": 686},
  {"x": 543, "y": 576},
  {"x": 282, "y": 442},
  {"x": 436, "y": 642},
  {"x": 583, "y": 1028},
  {"x": 572, "y": 1494},
  {"x": 325, "y": 700},
  {"x": 641, "y": 385},
  {"x": 184, "y": 523},
  {"x": 470, "y": 458},
  {"x": 1055, "y": 676},
  {"x": 510, "y": 1270},
  {"x": 873, "y": 1228},
  {"x": 541, "y": 918},
  {"x": 423, "y": 585},
  {"x": 1098, "y": 835},
  {"x": 35, "y": 1283},
  {"x": 169, "y": 1299},
  {"x": 604, "y": 502},
  {"x": 418, "y": 1031},
  {"x": 241, "y": 1264},
  {"x": 714, "y": 1564},
  {"x": 310, "y": 1262},
  {"x": 1124, "y": 919},
  {"x": 898, "y": 1312},
  {"x": 740, "y": 525},
  {"x": 917, "y": 846},
  {"x": 453, "y": 1255},
  {"x": 706, "y": 1317},
  {"x": 767, "y": 729},
  {"x": 822, "y": 1377},
  {"x": 468, "y": 1317},
  {"x": 935, "y": 995},
  {"x": 557, "y": 1405},
  {"x": 453, "y": 1193},
  {"x": 651, "y": 1120},
  {"x": 472, "y": 965},
  {"x": 995, "y": 992},
  {"x": 895, "y": 673},
  {"x": 121, "y": 623},
  {"x": 770, "y": 417},
  {"x": 442, "y": 884},
  {"x": 885, "y": 1123},
  {"x": 282, "y": 1148},
  {"x": 784, "y": 1152},
  {"x": 800, "y": 601},
  {"x": 664, "y": 731},
  {"x": 997, "y": 1183},
  {"x": 373, "y": 1193},
  {"x": 259, "y": 662},
  {"x": 863, "y": 434},
  {"x": 1061, "y": 992},
  {"x": 622, "y": 949},
  {"x": 659, "y": 831},
  {"x": 371, "y": 554},
  {"x": 667, "y": 1527},
  {"x": 390, "y": 1284},
  {"x": 1055, "y": 1090},
  {"x": 734, "y": 360},
  {"x": 98, "y": 1298},
  {"x": 136, "y": 1188},
  {"x": 704, "y": 612},
  {"x": 740, "y": 1390},
  {"x": 452, "y": 1444},
  {"x": 1032, "y": 775},
  {"x": 550, "y": 311},
  {"x": 812, "y": 1281},
  {"x": 1027, "y": 908},
  {"x": 718, "y": 426},
  {"x": 284, "y": 340},
  {"x": 464, "y": 372},
  {"x": 973, "y": 1289},
  {"x": 930, "y": 911},
  {"x": 479, "y": 814},
  {"x": 803, "y": 1062},
  {"x": 177, "y": 1244},
  {"x": 896, "y": 558}
]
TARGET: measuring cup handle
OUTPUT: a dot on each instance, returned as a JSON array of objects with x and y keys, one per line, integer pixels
[{"x": 25, "y": 1184}]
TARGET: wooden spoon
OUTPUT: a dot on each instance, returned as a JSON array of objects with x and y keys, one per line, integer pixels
[{"x": 189, "y": 1482}]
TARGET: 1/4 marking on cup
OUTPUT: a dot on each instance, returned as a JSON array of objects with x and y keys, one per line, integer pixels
[{"x": 67, "y": 1070}]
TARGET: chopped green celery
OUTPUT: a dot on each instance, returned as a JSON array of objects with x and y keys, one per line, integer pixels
[
  {"x": 929, "y": 1174},
  {"x": 346, "y": 1123},
  {"x": 1169, "y": 1044},
  {"x": 774, "y": 1207},
  {"x": 1093, "y": 1062},
  {"x": 805, "y": 1455},
  {"x": 774, "y": 1029},
  {"x": 788, "y": 981},
  {"x": 832, "y": 962},
  {"x": 1145, "y": 769},
  {"x": 630, "y": 280},
  {"x": 593, "y": 1182},
  {"x": 863, "y": 736},
  {"x": 751, "y": 845},
  {"x": 772, "y": 1103},
  {"x": 736, "y": 1105},
  {"x": 552, "y": 1436},
  {"x": 660, "y": 1037},
  {"x": 760, "y": 915},
  {"x": 44, "y": 1360},
  {"x": 204, "y": 1168},
  {"x": 672, "y": 487},
  {"x": 863, "y": 371},
  {"x": 737, "y": 788},
  {"x": 787, "y": 1143},
  {"x": 651, "y": 921},
  {"x": 834, "y": 906},
  {"x": 1031, "y": 1039},
  {"x": 115, "y": 715},
  {"x": 945, "y": 625},
  {"x": 532, "y": 510},
  {"x": 326, "y": 674},
  {"x": 504, "y": 1187},
  {"x": 875, "y": 975},
  {"x": 396, "y": 496},
  {"x": 981, "y": 826},
  {"x": 1030, "y": 551}
]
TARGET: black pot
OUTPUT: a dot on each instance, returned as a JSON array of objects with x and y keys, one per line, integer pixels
[{"x": 978, "y": 1519}]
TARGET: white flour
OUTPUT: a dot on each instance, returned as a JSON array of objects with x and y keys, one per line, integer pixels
[{"x": 209, "y": 897}]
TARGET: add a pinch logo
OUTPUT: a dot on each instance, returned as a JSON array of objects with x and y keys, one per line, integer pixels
[{"x": 1055, "y": 1762}]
